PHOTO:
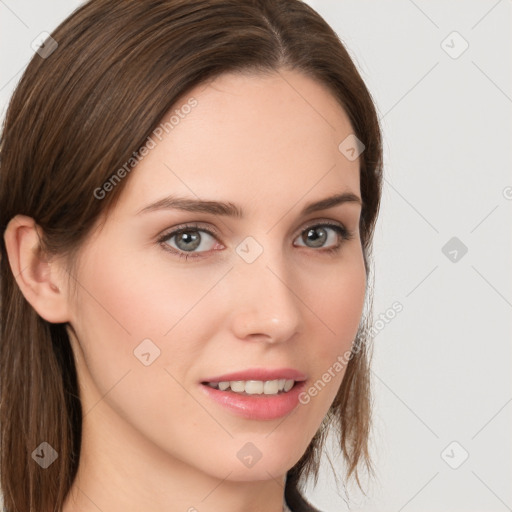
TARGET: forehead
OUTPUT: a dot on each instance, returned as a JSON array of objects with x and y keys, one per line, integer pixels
[{"x": 256, "y": 139}]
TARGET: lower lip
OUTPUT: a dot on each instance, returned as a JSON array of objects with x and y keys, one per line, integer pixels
[{"x": 257, "y": 407}]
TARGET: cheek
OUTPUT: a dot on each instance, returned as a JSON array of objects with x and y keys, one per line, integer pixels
[
  {"x": 338, "y": 302},
  {"x": 125, "y": 300},
  {"x": 134, "y": 298},
  {"x": 338, "y": 305}
]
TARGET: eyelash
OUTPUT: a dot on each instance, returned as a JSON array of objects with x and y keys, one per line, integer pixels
[{"x": 340, "y": 229}]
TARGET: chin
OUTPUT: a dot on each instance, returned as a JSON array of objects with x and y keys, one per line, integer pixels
[{"x": 242, "y": 461}]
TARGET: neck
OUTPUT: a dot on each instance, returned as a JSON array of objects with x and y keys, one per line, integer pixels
[{"x": 121, "y": 471}]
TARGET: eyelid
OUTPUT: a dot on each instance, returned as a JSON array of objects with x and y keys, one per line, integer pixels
[
  {"x": 188, "y": 226},
  {"x": 322, "y": 222}
]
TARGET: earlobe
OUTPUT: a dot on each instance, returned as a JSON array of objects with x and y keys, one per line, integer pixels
[{"x": 36, "y": 278}]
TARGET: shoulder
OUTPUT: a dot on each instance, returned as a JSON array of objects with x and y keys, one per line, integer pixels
[{"x": 296, "y": 502}]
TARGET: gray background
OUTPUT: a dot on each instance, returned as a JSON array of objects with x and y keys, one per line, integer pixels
[{"x": 442, "y": 366}]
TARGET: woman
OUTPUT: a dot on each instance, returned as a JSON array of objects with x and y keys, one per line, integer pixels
[{"x": 188, "y": 195}]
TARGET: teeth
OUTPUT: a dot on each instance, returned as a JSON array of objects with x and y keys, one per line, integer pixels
[
  {"x": 270, "y": 387},
  {"x": 237, "y": 385},
  {"x": 288, "y": 385},
  {"x": 255, "y": 387},
  {"x": 223, "y": 386}
]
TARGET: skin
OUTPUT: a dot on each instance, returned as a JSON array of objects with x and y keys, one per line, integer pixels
[{"x": 152, "y": 440}]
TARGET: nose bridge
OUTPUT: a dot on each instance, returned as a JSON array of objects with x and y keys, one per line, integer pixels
[{"x": 265, "y": 303}]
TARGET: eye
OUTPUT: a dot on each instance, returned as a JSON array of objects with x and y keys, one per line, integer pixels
[
  {"x": 318, "y": 235},
  {"x": 187, "y": 240},
  {"x": 191, "y": 240}
]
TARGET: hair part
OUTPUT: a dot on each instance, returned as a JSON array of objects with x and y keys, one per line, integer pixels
[{"x": 78, "y": 116}]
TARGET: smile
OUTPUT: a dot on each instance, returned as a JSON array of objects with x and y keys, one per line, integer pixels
[{"x": 254, "y": 387}]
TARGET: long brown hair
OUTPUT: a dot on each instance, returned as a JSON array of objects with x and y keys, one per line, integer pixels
[{"x": 74, "y": 119}]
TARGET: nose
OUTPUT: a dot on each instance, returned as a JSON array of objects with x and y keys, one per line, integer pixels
[{"x": 265, "y": 305}]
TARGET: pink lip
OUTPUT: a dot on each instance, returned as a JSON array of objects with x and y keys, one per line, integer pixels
[
  {"x": 256, "y": 407},
  {"x": 260, "y": 374}
]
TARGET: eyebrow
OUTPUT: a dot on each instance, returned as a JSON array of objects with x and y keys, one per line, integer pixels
[{"x": 232, "y": 210}]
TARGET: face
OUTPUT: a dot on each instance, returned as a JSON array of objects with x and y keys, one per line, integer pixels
[{"x": 159, "y": 311}]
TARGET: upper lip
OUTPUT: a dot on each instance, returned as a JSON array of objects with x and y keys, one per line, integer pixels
[{"x": 262, "y": 374}]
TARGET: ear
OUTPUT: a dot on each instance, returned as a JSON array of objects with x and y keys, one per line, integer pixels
[{"x": 41, "y": 284}]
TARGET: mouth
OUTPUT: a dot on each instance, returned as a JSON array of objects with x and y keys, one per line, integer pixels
[
  {"x": 256, "y": 399},
  {"x": 254, "y": 387}
]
